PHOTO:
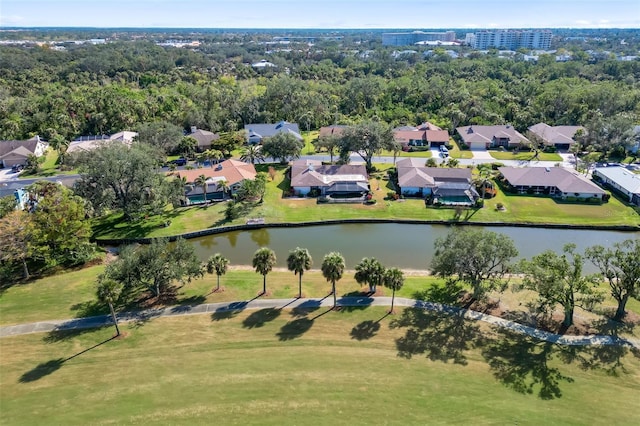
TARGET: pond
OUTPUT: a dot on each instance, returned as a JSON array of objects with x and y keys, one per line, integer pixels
[{"x": 408, "y": 246}]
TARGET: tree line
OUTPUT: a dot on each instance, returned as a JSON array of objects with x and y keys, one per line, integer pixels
[{"x": 92, "y": 90}]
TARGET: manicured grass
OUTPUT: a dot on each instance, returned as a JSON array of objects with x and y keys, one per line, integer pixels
[
  {"x": 456, "y": 152},
  {"x": 275, "y": 366},
  {"x": 49, "y": 168},
  {"x": 275, "y": 208},
  {"x": 525, "y": 156}
]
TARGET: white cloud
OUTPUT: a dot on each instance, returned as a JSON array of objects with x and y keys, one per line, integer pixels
[{"x": 10, "y": 20}]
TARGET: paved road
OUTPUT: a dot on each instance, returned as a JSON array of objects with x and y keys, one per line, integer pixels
[{"x": 212, "y": 308}]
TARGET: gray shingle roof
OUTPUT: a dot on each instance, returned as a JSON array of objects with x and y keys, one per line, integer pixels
[{"x": 557, "y": 177}]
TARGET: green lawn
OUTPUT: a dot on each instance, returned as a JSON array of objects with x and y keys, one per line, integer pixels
[
  {"x": 524, "y": 156},
  {"x": 456, "y": 152},
  {"x": 276, "y": 366},
  {"x": 50, "y": 167}
]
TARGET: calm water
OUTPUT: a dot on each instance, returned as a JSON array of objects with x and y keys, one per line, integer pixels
[{"x": 401, "y": 245}]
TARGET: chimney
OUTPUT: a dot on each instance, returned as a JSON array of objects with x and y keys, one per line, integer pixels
[{"x": 193, "y": 129}]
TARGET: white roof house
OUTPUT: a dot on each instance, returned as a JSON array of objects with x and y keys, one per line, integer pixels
[
  {"x": 88, "y": 143},
  {"x": 621, "y": 180}
]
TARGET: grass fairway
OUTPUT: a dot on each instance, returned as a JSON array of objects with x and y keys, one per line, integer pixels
[{"x": 275, "y": 366}]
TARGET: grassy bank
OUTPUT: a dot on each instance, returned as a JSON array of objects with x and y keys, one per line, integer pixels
[{"x": 276, "y": 366}]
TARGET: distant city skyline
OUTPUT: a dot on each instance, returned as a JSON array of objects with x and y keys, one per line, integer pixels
[{"x": 338, "y": 14}]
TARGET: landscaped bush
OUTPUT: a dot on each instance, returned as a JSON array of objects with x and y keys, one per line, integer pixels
[
  {"x": 496, "y": 165},
  {"x": 370, "y": 202}
]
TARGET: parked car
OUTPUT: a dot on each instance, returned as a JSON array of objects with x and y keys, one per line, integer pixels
[
  {"x": 179, "y": 161},
  {"x": 444, "y": 151},
  {"x": 17, "y": 168}
]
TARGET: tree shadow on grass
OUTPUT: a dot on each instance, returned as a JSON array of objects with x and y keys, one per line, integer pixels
[
  {"x": 441, "y": 337},
  {"x": 294, "y": 329},
  {"x": 448, "y": 292},
  {"x": 260, "y": 317},
  {"x": 607, "y": 358},
  {"x": 358, "y": 302},
  {"x": 46, "y": 368},
  {"x": 523, "y": 364},
  {"x": 306, "y": 307},
  {"x": 229, "y": 311},
  {"x": 367, "y": 329},
  {"x": 186, "y": 304},
  {"x": 89, "y": 308}
]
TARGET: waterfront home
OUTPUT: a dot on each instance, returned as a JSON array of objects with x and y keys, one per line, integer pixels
[
  {"x": 223, "y": 180},
  {"x": 553, "y": 181},
  {"x": 621, "y": 180},
  {"x": 312, "y": 177},
  {"x": 439, "y": 185}
]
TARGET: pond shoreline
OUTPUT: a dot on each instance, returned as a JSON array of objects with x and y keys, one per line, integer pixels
[{"x": 245, "y": 227}]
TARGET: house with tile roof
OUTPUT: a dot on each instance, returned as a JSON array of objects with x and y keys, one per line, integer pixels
[
  {"x": 621, "y": 180},
  {"x": 426, "y": 134},
  {"x": 308, "y": 176},
  {"x": 554, "y": 181},
  {"x": 560, "y": 137},
  {"x": 16, "y": 152},
  {"x": 485, "y": 137},
  {"x": 440, "y": 185},
  {"x": 257, "y": 132},
  {"x": 231, "y": 172},
  {"x": 88, "y": 143}
]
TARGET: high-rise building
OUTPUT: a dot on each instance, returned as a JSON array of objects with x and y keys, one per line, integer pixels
[
  {"x": 510, "y": 39},
  {"x": 407, "y": 39}
]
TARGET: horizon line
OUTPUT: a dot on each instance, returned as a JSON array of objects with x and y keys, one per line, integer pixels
[{"x": 3, "y": 27}]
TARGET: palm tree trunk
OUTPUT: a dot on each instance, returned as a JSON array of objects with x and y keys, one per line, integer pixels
[
  {"x": 393, "y": 298},
  {"x": 115, "y": 319},
  {"x": 300, "y": 286},
  {"x": 333, "y": 290},
  {"x": 218, "y": 285},
  {"x": 264, "y": 284}
]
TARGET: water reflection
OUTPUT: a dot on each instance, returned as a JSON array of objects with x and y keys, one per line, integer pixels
[{"x": 403, "y": 245}]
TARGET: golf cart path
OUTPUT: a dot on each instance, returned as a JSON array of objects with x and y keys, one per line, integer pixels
[{"x": 364, "y": 301}]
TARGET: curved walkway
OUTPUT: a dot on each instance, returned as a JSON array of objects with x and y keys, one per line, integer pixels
[{"x": 364, "y": 301}]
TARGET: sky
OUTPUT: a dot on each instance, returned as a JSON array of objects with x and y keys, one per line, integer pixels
[{"x": 410, "y": 14}]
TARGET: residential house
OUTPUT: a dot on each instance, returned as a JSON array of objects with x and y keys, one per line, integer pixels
[
  {"x": 204, "y": 138},
  {"x": 88, "y": 143},
  {"x": 309, "y": 176},
  {"x": 333, "y": 130},
  {"x": 263, "y": 63},
  {"x": 257, "y": 132},
  {"x": 485, "y": 137},
  {"x": 426, "y": 134},
  {"x": 16, "y": 152},
  {"x": 231, "y": 172},
  {"x": 441, "y": 185},
  {"x": 621, "y": 180},
  {"x": 560, "y": 137},
  {"x": 555, "y": 181}
]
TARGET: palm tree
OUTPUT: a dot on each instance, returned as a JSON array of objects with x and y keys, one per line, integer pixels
[
  {"x": 202, "y": 181},
  {"x": 108, "y": 292},
  {"x": 252, "y": 154},
  {"x": 264, "y": 260},
  {"x": 370, "y": 272},
  {"x": 223, "y": 186},
  {"x": 394, "y": 279},
  {"x": 213, "y": 155},
  {"x": 332, "y": 269},
  {"x": 299, "y": 260},
  {"x": 218, "y": 264}
]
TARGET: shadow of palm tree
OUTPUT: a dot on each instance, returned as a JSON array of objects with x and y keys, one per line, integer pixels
[
  {"x": 229, "y": 311},
  {"x": 51, "y": 366},
  {"x": 305, "y": 308},
  {"x": 261, "y": 317},
  {"x": 354, "y": 303},
  {"x": 294, "y": 329},
  {"x": 441, "y": 337},
  {"x": 41, "y": 370},
  {"x": 63, "y": 333},
  {"x": 522, "y": 364},
  {"x": 365, "y": 330}
]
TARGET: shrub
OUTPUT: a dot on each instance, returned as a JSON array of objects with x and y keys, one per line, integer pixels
[
  {"x": 370, "y": 202},
  {"x": 496, "y": 165}
]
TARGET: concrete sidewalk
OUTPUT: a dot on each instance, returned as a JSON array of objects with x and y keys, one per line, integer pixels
[{"x": 364, "y": 301}]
